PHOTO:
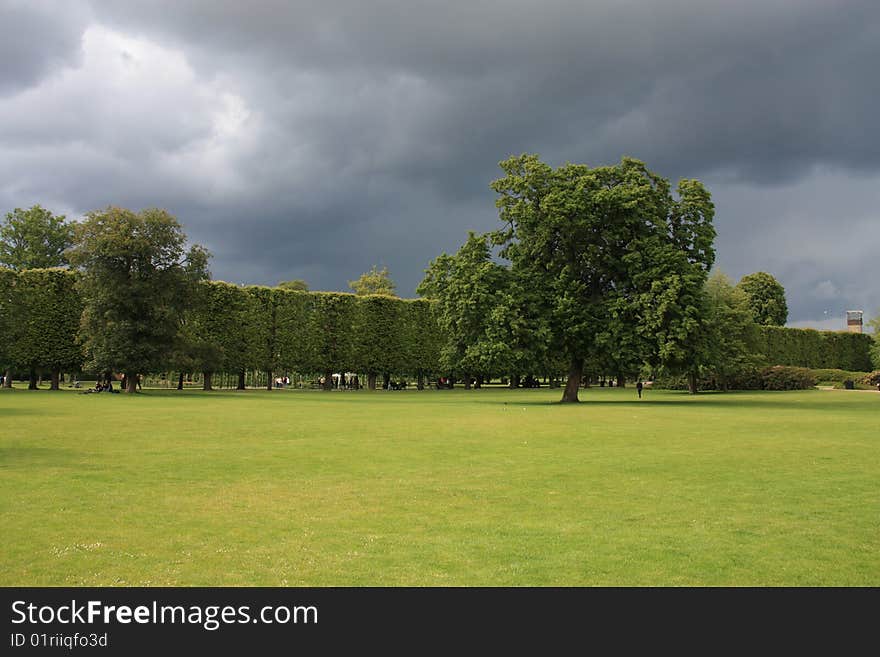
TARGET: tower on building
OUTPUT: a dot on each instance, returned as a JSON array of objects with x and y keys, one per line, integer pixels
[{"x": 854, "y": 320}]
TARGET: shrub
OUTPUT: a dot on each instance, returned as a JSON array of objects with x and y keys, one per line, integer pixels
[
  {"x": 670, "y": 382},
  {"x": 836, "y": 376},
  {"x": 781, "y": 377},
  {"x": 871, "y": 378}
]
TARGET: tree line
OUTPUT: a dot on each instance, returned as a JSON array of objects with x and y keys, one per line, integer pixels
[
  {"x": 224, "y": 328},
  {"x": 595, "y": 271}
]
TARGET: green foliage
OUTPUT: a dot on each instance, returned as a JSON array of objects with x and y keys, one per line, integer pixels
[
  {"x": 331, "y": 329},
  {"x": 766, "y": 298},
  {"x": 263, "y": 326},
  {"x": 421, "y": 337},
  {"x": 8, "y": 313},
  {"x": 295, "y": 343},
  {"x": 296, "y": 285},
  {"x": 379, "y": 332},
  {"x": 136, "y": 283},
  {"x": 817, "y": 349},
  {"x": 218, "y": 339},
  {"x": 375, "y": 281},
  {"x": 875, "y": 347},
  {"x": 616, "y": 262},
  {"x": 835, "y": 376},
  {"x": 780, "y": 377},
  {"x": 34, "y": 239},
  {"x": 47, "y": 319},
  {"x": 729, "y": 334},
  {"x": 468, "y": 290}
]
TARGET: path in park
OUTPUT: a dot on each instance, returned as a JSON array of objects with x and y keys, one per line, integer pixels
[{"x": 842, "y": 390}]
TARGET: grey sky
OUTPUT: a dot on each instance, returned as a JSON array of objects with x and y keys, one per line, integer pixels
[{"x": 315, "y": 139}]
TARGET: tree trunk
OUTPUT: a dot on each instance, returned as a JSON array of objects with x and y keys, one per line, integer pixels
[
  {"x": 131, "y": 382},
  {"x": 420, "y": 382},
  {"x": 371, "y": 380},
  {"x": 467, "y": 381},
  {"x": 207, "y": 380},
  {"x": 386, "y": 381},
  {"x": 621, "y": 380},
  {"x": 269, "y": 381},
  {"x": 32, "y": 380},
  {"x": 479, "y": 382},
  {"x": 180, "y": 381},
  {"x": 514, "y": 381},
  {"x": 575, "y": 372},
  {"x": 56, "y": 380},
  {"x": 692, "y": 383},
  {"x": 328, "y": 380},
  {"x": 240, "y": 380},
  {"x": 7, "y": 379}
]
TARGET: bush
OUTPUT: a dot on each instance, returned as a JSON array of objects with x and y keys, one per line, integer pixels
[
  {"x": 871, "y": 378},
  {"x": 781, "y": 377},
  {"x": 826, "y": 376}
]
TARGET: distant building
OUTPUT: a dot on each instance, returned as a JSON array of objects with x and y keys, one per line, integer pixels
[{"x": 854, "y": 320}]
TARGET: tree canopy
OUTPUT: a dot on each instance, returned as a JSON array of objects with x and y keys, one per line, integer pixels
[
  {"x": 467, "y": 288},
  {"x": 607, "y": 251},
  {"x": 136, "y": 282},
  {"x": 34, "y": 239},
  {"x": 297, "y": 285},
  {"x": 375, "y": 281},
  {"x": 766, "y": 298}
]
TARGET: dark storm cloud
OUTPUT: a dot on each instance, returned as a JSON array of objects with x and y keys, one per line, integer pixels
[
  {"x": 36, "y": 38},
  {"x": 315, "y": 139}
]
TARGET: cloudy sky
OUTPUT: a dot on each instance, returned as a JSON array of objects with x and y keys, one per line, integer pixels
[{"x": 314, "y": 139}]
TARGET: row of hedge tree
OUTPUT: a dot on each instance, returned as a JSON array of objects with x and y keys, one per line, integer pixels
[
  {"x": 815, "y": 349},
  {"x": 232, "y": 329},
  {"x": 229, "y": 329}
]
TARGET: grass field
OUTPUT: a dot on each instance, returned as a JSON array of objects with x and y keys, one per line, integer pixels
[{"x": 489, "y": 487}]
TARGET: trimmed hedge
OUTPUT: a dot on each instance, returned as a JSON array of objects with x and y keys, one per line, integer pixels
[
  {"x": 815, "y": 349},
  {"x": 778, "y": 377}
]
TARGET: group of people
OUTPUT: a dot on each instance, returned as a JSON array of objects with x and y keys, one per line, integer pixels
[{"x": 101, "y": 386}]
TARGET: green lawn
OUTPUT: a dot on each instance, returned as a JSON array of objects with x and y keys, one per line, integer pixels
[{"x": 489, "y": 487}]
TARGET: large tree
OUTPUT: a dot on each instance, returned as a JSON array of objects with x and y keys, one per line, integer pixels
[
  {"x": 34, "y": 239},
  {"x": 766, "y": 298},
  {"x": 595, "y": 241},
  {"x": 375, "y": 281},
  {"x": 137, "y": 280}
]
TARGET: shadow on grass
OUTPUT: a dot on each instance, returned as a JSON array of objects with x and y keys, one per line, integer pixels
[
  {"x": 793, "y": 400},
  {"x": 732, "y": 400},
  {"x": 19, "y": 457}
]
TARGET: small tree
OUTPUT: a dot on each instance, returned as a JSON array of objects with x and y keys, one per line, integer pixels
[
  {"x": 297, "y": 285},
  {"x": 766, "y": 298},
  {"x": 466, "y": 289},
  {"x": 374, "y": 281},
  {"x": 34, "y": 239}
]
